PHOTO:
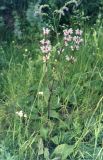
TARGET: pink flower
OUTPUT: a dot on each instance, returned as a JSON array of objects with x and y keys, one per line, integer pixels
[
  {"x": 65, "y": 32},
  {"x": 78, "y": 32},
  {"x": 77, "y": 39},
  {"x": 69, "y": 38},
  {"x": 45, "y": 45},
  {"x": 68, "y": 31},
  {"x": 74, "y": 38},
  {"x": 46, "y": 49},
  {"x": 45, "y": 42}
]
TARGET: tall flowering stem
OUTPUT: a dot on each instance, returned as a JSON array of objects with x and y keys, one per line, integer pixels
[
  {"x": 45, "y": 45},
  {"x": 46, "y": 51}
]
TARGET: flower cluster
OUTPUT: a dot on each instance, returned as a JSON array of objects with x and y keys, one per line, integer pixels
[
  {"x": 73, "y": 38},
  {"x": 45, "y": 45},
  {"x": 21, "y": 114}
]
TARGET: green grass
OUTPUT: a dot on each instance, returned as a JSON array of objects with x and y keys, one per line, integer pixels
[{"x": 74, "y": 130}]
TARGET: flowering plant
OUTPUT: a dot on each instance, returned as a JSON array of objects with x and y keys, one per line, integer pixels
[
  {"x": 45, "y": 45},
  {"x": 72, "y": 39}
]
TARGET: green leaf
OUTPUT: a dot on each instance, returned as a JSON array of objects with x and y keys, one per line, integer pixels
[
  {"x": 54, "y": 114},
  {"x": 44, "y": 132},
  {"x": 55, "y": 140},
  {"x": 63, "y": 150}
]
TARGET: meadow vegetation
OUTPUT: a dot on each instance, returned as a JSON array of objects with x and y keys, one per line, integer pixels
[{"x": 51, "y": 90}]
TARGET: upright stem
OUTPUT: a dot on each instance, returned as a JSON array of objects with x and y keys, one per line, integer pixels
[{"x": 49, "y": 99}]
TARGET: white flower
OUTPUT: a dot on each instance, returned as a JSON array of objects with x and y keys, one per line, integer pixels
[
  {"x": 70, "y": 31},
  {"x": 40, "y": 93},
  {"x": 74, "y": 38},
  {"x": 42, "y": 41},
  {"x": 70, "y": 59},
  {"x": 46, "y": 31},
  {"x": 26, "y": 49},
  {"x": 21, "y": 114},
  {"x": 46, "y": 58},
  {"x": 72, "y": 48},
  {"x": 77, "y": 39}
]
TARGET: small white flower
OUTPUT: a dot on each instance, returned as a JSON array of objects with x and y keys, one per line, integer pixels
[
  {"x": 46, "y": 58},
  {"x": 71, "y": 59},
  {"x": 40, "y": 93},
  {"x": 42, "y": 41},
  {"x": 74, "y": 38},
  {"x": 21, "y": 114},
  {"x": 70, "y": 31},
  {"x": 72, "y": 48},
  {"x": 46, "y": 31},
  {"x": 26, "y": 49},
  {"x": 25, "y": 116}
]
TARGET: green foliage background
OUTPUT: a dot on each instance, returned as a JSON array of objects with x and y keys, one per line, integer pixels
[{"x": 90, "y": 10}]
